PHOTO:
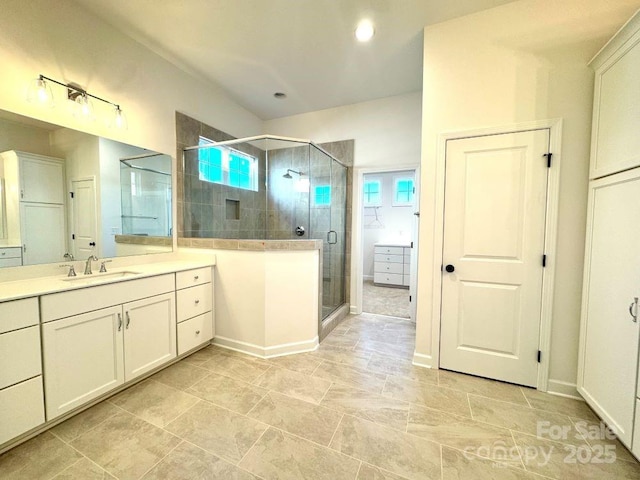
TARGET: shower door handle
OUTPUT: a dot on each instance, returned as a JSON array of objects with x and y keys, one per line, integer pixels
[{"x": 329, "y": 237}]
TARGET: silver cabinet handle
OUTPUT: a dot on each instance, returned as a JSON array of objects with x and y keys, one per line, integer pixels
[
  {"x": 631, "y": 309},
  {"x": 128, "y": 319},
  {"x": 197, "y": 332},
  {"x": 119, "y": 322},
  {"x": 196, "y": 277},
  {"x": 197, "y": 301}
]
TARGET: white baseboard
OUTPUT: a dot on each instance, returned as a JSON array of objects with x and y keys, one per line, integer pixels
[
  {"x": 421, "y": 360},
  {"x": 353, "y": 310},
  {"x": 266, "y": 352},
  {"x": 367, "y": 277},
  {"x": 563, "y": 389}
]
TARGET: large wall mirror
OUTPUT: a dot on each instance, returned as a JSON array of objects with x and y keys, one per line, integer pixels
[{"x": 67, "y": 194}]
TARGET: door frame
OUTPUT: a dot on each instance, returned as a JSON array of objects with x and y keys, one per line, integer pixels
[
  {"x": 357, "y": 261},
  {"x": 550, "y": 238}
]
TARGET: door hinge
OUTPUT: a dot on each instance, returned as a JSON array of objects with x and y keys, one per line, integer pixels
[
  {"x": 409, "y": 298},
  {"x": 544, "y": 260},
  {"x": 411, "y": 245},
  {"x": 539, "y": 355},
  {"x": 414, "y": 190},
  {"x": 72, "y": 194},
  {"x": 73, "y": 236},
  {"x": 548, "y": 155}
]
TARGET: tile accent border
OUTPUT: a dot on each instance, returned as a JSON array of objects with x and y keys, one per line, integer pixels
[
  {"x": 144, "y": 240},
  {"x": 251, "y": 245}
]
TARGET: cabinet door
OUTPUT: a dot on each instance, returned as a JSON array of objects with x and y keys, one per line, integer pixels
[
  {"x": 82, "y": 358},
  {"x": 149, "y": 334},
  {"x": 609, "y": 335},
  {"x": 42, "y": 230},
  {"x": 41, "y": 180}
]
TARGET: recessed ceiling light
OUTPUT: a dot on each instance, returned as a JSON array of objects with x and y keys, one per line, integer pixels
[
  {"x": 364, "y": 31},
  {"x": 280, "y": 95}
]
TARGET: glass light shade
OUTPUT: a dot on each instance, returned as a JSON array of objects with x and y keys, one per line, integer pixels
[
  {"x": 365, "y": 31},
  {"x": 118, "y": 119},
  {"x": 40, "y": 93},
  {"x": 84, "y": 108}
]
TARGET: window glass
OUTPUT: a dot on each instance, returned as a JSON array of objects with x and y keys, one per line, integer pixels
[
  {"x": 227, "y": 166},
  {"x": 322, "y": 195},
  {"x": 403, "y": 194},
  {"x": 372, "y": 193}
]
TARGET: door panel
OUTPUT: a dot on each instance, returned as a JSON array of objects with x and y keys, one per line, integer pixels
[
  {"x": 495, "y": 202},
  {"x": 84, "y": 218}
]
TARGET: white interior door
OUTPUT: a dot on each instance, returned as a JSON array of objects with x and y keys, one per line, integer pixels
[
  {"x": 42, "y": 230},
  {"x": 494, "y": 229},
  {"x": 84, "y": 230}
]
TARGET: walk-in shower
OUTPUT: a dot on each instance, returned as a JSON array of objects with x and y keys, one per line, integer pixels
[{"x": 270, "y": 188}]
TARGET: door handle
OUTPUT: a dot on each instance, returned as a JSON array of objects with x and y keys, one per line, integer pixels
[
  {"x": 450, "y": 268},
  {"x": 119, "y": 321},
  {"x": 128, "y": 319},
  {"x": 92, "y": 244},
  {"x": 634, "y": 316},
  {"x": 329, "y": 237}
]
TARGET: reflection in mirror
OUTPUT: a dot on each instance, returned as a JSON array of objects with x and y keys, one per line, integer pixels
[
  {"x": 62, "y": 196},
  {"x": 3, "y": 233}
]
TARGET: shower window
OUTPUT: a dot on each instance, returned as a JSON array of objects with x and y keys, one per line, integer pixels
[
  {"x": 227, "y": 166},
  {"x": 322, "y": 195},
  {"x": 403, "y": 194},
  {"x": 372, "y": 193}
]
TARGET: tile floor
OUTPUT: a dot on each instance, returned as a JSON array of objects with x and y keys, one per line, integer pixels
[
  {"x": 354, "y": 409},
  {"x": 391, "y": 301}
]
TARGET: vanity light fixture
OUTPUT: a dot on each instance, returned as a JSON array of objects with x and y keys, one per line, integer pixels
[{"x": 40, "y": 92}]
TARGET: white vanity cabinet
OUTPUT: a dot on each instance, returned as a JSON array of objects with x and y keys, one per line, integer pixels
[
  {"x": 90, "y": 347},
  {"x": 21, "y": 395},
  {"x": 392, "y": 264},
  {"x": 10, "y": 256},
  {"x": 194, "y": 294}
]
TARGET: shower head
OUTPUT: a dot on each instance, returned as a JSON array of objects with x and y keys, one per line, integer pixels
[{"x": 289, "y": 172}]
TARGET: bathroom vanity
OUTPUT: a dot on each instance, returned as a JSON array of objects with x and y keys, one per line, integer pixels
[{"x": 67, "y": 342}]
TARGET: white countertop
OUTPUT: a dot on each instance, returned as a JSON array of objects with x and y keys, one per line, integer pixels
[{"x": 14, "y": 290}]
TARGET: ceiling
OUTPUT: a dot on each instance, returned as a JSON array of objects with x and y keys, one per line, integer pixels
[{"x": 304, "y": 48}]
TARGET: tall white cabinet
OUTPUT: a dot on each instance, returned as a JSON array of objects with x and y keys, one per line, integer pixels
[
  {"x": 610, "y": 327},
  {"x": 35, "y": 205}
]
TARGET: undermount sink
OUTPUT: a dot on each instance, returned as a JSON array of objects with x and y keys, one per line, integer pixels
[{"x": 98, "y": 277}]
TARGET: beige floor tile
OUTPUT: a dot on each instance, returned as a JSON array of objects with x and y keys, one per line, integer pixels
[
  {"x": 482, "y": 386},
  {"x": 395, "y": 350},
  {"x": 217, "y": 430},
  {"x": 402, "y": 368},
  {"x": 524, "y": 419},
  {"x": 181, "y": 375},
  {"x": 236, "y": 367},
  {"x": 370, "y": 406},
  {"x": 369, "y": 472},
  {"x": 341, "y": 355},
  {"x": 385, "y": 300},
  {"x": 379, "y": 335},
  {"x": 464, "y": 434},
  {"x": 203, "y": 355},
  {"x": 84, "y": 469},
  {"x": 346, "y": 340},
  {"x": 187, "y": 461},
  {"x": 432, "y": 396},
  {"x": 294, "y": 384},
  {"x": 41, "y": 457},
  {"x": 602, "y": 439},
  {"x": 457, "y": 465},
  {"x": 85, "y": 421},
  {"x": 154, "y": 402},
  {"x": 304, "y": 362},
  {"x": 227, "y": 392},
  {"x": 555, "y": 403},
  {"x": 347, "y": 375},
  {"x": 125, "y": 446},
  {"x": 398, "y": 452},
  {"x": 406, "y": 327},
  {"x": 280, "y": 456},
  {"x": 570, "y": 462},
  {"x": 298, "y": 417}
]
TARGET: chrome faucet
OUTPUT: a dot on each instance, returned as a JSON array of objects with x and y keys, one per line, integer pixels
[{"x": 87, "y": 266}]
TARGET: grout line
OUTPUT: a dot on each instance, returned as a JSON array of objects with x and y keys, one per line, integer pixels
[
  {"x": 254, "y": 444},
  {"x": 258, "y": 403},
  {"x": 441, "y": 462},
  {"x": 518, "y": 449},
  {"x": 159, "y": 461},
  {"x": 469, "y": 403},
  {"x": 358, "y": 472},
  {"x": 525, "y": 397},
  {"x": 54, "y": 475},
  {"x": 335, "y": 431}
]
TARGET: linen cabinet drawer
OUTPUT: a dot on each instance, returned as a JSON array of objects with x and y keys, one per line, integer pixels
[
  {"x": 384, "y": 267},
  {"x": 10, "y": 262},
  {"x": 195, "y": 332},
  {"x": 19, "y": 355},
  {"x": 190, "y": 278},
  {"x": 389, "y": 258},
  {"x": 19, "y": 314},
  {"x": 21, "y": 408},
  {"x": 194, "y": 301},
  {"x": 388, "y": 250},
  {"x": 388, "y": 278}
]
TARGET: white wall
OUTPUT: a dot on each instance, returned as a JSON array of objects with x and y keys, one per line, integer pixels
[
  {"x": 520, "y": 62},
  {"x": 394, "y": 223},
  {"x": 15, "y": 136}
]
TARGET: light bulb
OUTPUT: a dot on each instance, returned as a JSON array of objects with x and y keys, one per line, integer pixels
[
  {"x": 84, "y": 107},
  {"x": 40, "y": 93},
  {"x": 118, "y": 119},
  {"x": 364, "y": 31}
]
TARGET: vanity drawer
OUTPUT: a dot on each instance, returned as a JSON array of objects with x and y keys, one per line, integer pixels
[
  {"x": 194, "y": 301},
  {"x": 389, "y": 258},
  {"x": 19, "y": 314},
  {"x": 383, "y": 267},
  {"x": 19, "y": 355},
  {"x": 10, "y": 262},
  {"x": 190, "y": 278},
  {"x": 21, "y": 408},
  {"x": 11, "y": 252},
  {"x": 388, "y": 278},
  {"x": 388, "y": 250},
  {"x": 194, "y": 332}
]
